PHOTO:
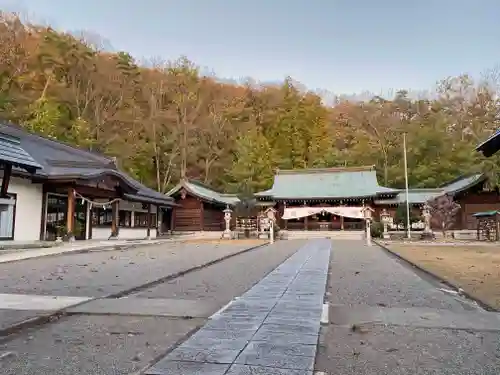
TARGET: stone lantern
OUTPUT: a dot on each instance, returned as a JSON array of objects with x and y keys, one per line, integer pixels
[
  {"x": 367, "y": 214},
  {"x": 385, "y": 218},
  {"x": 227, "y": 219},
  {"x": 271, "y": 214},
  {"x": 426, "y": 215}
]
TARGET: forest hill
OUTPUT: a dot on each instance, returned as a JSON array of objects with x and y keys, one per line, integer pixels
[{"x": 165, "y": 121}]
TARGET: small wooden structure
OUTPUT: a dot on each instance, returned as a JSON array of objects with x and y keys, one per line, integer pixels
[
  {"x": 488, "y": 226},
  {"x": 246, "y": 227}
]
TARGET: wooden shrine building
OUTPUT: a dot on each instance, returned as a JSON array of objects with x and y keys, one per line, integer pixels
[
  {"x": 326, "y": 199},
  {"x": 51, "y": 189},
  {"x": 200, "y": 208},
  {"x": 332, "y": 198}
]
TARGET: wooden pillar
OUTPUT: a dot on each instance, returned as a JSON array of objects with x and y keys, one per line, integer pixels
[
  {"x": 43, "y": 222},
  {"x": 114, "y": 219},
  {"x": 7, "y": 173},
  {"x": 172, "y": 222},
  {"x": 305, "y": 218},
  {"x": 70, "y": 213},
  {"x": 202, "y": 216},
  {"x": 285, "y": 222},
  {"x": 149, "y": 221}
]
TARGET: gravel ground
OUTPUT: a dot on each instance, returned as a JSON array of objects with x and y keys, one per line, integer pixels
[
  {"x": 363, "y": 276},
  {"x": 224, "y": 281},
  {"x": 98, "y": 274},
  {"x": 380, "y": 350},
  {"x": 93, "y": 345},
  {"x": 116, "y": 345},
  {"x": 10, "y": 317}
]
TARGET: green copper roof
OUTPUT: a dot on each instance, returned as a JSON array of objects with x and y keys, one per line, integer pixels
[
  {"x": 463, "y": 183},
  {"x": 330, "y": 183},
  {"x": 485, "y": 214},
  {"x": 415, "y": 196},
  {"x": 199, "y": 190},
  {"x": 420, "y": 196}
]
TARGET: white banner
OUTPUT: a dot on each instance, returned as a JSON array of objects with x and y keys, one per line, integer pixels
[{"x": 298, "y": 212}]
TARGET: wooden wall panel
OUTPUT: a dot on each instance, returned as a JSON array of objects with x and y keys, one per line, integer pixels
[
  {"x": 188, "y": 215},
  {"x": 213, "y": 217}
]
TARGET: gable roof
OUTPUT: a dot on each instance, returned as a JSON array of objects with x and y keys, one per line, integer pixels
[
  {"x": 202, "y": 191},
  {"x": 12, "y": 153},
  {"x": 490, "y": 146},
  {"x": 58, "y": 161},
  {"x": 329, "y": 183}
]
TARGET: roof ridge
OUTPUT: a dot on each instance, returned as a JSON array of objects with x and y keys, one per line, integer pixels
[
  {"x": 367, "y": 168},
  {"x": 201, "y": 184}
]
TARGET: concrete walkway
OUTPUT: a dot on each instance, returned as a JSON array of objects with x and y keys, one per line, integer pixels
[
  {"x": 273, "y": 328},
  {"x": 75, "y": 247}
]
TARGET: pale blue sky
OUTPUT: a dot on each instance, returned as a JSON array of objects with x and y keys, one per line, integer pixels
[{"x": 339, "y": 45}]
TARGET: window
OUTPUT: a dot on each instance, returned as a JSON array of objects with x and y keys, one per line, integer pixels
[
  {"x": 7, "y": 217},
  {"x": 124, "y": 218},
  {"x": 102, "y": 217},
  {"x": 57, "y": 207},
  {"x": 141, "y": 219}
]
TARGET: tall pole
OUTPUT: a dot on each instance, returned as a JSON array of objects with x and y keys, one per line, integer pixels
[{"x": 408, "y": 225}]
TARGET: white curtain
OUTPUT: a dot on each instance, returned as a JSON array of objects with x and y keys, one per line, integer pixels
[
  {"x": 299, "y": 212},
  {"x": 6, "y": 218}
]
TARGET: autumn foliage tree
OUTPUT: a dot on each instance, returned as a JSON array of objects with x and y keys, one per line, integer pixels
[{"x": 166, "y": 120}]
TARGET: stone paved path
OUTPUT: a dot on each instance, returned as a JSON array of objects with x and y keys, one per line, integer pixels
[{"x": 271, "y": 329}]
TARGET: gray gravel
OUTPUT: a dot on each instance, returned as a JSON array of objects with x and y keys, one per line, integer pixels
[
  {"x": 116, "y": 345},
  {"x": 223, "y": 281},
  {"x": 389, "y": 350},
  {"x": 362, "y": 275},
  {"x": 93, "y": 345},
  {"x": 98, "y": 274},
  {"x": 10, "y": 317}
]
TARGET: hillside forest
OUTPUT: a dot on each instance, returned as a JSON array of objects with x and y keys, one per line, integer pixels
[{"x": 163, "y": 120}]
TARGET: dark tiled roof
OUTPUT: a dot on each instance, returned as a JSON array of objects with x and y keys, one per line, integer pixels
[
  {"x": 491, "y": 145},
  {"x": 59, "y": 161},
  {"x": 12, "y": 153}
]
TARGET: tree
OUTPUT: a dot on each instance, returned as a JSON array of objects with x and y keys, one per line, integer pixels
[
  {"x": 443, "y": 211},
  {"x": 167, "y": 120},
  {"x": 252, "y": 168},
  {"x": 400, "y": 217}
]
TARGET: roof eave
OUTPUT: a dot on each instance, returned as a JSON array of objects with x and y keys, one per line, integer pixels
[
  {"x": 490, "y": 146},
  {"x": 144, "y": 199}
]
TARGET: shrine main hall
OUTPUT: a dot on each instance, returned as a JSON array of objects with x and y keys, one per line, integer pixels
[{"x": 335, "y": 198}]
